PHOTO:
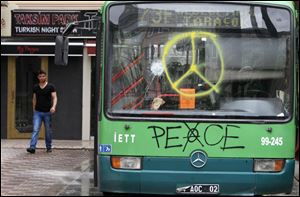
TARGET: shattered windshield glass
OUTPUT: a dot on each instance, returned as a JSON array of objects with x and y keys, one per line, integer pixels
[{"x": 199, "y": 59}]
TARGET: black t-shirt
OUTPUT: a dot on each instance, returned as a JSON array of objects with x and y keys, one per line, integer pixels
[{"x": 43, "y": 97}]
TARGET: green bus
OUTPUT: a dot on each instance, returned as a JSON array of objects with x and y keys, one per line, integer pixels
[{"x": 197, "y": 98}]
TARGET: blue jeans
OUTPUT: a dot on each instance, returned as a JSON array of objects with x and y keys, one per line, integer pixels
[{"x": 38, "y": 117}]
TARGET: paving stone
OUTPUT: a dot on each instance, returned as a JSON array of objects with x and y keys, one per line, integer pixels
[{"x": 41, "y": 173}]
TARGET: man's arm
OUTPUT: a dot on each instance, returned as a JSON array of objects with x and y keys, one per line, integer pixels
[
  {"x": 33, "y": 101},
  {"x": 54, "y": 102}
]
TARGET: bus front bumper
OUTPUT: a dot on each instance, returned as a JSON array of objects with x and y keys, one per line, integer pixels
[{"x": 161, "y": 175}]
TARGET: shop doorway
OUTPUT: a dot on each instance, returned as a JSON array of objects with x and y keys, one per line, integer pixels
[{"x": 22, "y": 75}]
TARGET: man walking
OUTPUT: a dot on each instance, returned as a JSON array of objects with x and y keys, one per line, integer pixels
[{"x": 44, "y": 105}]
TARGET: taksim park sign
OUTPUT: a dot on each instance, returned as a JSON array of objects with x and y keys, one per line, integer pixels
[{"x": 51, "y": 23}]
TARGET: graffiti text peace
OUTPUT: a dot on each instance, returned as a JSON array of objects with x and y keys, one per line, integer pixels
[{"x": 223, "y": 137}]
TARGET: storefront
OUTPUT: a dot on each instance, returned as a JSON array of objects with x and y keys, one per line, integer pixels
[{"x": 31, "y": 47}]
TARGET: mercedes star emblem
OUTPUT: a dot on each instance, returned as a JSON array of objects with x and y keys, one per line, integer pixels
[{"x": 198, "y": 159}]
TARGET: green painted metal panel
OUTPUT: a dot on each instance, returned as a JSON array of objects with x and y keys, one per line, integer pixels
[{"x": 181, "y": 138}]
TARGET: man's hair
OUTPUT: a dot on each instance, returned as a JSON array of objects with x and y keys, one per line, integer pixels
[{"x": 41, "y": 72}]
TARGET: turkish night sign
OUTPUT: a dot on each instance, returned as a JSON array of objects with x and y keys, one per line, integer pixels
[{"x": 52, "y": 23}]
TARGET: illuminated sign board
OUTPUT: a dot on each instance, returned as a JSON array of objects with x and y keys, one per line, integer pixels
[
  {"x": 165, "y": 18},
  {"x": 51, "y": 23}
]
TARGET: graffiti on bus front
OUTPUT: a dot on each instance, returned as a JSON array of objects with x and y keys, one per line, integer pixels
[{"x": 214, "y": 135}]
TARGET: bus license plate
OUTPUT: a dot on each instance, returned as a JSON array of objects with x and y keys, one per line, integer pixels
[{"x": 199, "y": 189}]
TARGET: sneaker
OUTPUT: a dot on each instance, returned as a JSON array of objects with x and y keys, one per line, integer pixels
[
  {"x": 30, "y": 150},
  {"x": 49, "y": 150}
]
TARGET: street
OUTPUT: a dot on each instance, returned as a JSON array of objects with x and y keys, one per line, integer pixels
[{"x": 64, "y": 172}]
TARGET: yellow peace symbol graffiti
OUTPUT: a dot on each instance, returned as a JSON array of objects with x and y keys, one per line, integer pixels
[{"x": 193, "y": 68}]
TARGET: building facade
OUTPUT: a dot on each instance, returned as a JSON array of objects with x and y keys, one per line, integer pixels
[{"x": 28, "y": 30}]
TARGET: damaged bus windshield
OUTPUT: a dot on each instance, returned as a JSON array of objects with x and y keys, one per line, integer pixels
[{"x": 208, "y": 60}]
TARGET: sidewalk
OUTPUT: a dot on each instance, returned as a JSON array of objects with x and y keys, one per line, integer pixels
[{"x": 56, "y": 144}]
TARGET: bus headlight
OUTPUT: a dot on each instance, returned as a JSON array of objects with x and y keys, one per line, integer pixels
[
  {"x": 131, "y": 163},
  {"x": 268, "y": 165}
]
